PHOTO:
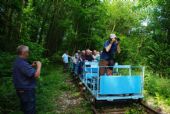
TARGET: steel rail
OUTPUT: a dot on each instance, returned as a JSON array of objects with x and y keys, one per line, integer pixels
[{"x": 149, "y": 109}]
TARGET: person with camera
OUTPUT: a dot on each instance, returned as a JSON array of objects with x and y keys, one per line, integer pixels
[
  {"x": 111, "y": 47},
  {"x": 24, "y": 79}
]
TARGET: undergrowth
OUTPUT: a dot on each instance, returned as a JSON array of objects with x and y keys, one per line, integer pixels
[{"x": 50, "y": 86}]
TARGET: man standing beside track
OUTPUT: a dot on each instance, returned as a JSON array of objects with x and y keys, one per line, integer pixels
[
  {"x": 24, "y": 79},
  {"x": 111, "y": 46}
]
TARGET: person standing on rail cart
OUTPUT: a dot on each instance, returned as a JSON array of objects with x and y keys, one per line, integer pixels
[{"x": 111, "y": 47}]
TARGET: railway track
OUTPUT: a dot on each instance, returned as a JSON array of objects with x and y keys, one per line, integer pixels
[
  {"x": 113, "y": 108},
  {"x": 148, "y": 109},
  {"x": 122, "y": 110},
  {"x": 108, "y": 111}
]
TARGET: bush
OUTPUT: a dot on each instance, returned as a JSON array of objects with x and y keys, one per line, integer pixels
[
  {"x": 6, "y": 60},
  {"x": 8, "y": 98},
  {"x": 157, "y": 86},
  {"x": 56, "y": 58},
  {"x": 36, "y": 51}
]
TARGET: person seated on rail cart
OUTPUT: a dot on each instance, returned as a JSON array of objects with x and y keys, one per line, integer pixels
[
  {"x": 76, "y": 63},
  {"x": 74, "y": 59},
  {"x": 81, "y": 61},
  {"x": 96, "y": 55},
  {"x": 111, "y": 47},
  {"x": 89, "y": 56},
  {"x": 83, "y": 55},
  {"x": 77, "y": 56}
]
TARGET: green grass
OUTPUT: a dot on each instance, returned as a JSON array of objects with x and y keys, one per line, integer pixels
[
  {"x": 155, "y": 85},
  {"x": 55, "y": 95},
  {"x": 157, "y": 91}
]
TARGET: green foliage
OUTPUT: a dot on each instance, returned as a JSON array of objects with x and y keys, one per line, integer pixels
[
  {"x": 6, "y": 60},
  {"x": 36, "y": 51},
  {"x": 87, "y": 25},
  {"x": 157, "y": 45},
  {"x": 135, "y": 111},
  {"x": 56, "y": 58},
  {"x": 158, "y": 57},
  {"x": 158, "y": 87},
  {"x": 7, "y": 96},
  {"x": 50, "y": 87},
  {"x": 19, "y": 26},
  {"x": 119, "y": 19}
]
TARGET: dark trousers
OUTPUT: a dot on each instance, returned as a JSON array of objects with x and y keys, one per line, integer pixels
[
  {"x": 27, "y": 100},
  {"x": 108, "y": 69},
  {"x": 74, "y": 65},
  {"x": 65, "y": 67}
]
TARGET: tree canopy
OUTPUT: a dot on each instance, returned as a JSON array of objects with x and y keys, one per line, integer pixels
[{"x": 51, "y": 27}]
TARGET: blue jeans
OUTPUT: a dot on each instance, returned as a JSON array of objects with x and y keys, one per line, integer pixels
[{"x": 27, "y": 100}]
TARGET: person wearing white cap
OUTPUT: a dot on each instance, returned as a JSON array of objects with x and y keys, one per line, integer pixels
[{"x": 111, "y": 47}]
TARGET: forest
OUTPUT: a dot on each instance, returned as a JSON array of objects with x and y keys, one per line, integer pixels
[{"x": 50, "y": 27}]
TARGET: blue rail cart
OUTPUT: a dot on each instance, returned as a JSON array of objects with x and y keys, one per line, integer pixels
[
  {"x": 90, "y": 71},
  {"x": 126, "y": 82}
]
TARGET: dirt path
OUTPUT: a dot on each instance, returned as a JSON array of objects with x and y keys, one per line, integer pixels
[{"x": 70, "y": 101}]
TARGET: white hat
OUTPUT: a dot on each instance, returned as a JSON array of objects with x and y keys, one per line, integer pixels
[{"x": 112, "y": 36}]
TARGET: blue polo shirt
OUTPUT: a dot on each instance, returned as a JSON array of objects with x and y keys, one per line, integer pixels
[
  {"x": 23, "y": 74},
  {"x": 108, "y": 55}
]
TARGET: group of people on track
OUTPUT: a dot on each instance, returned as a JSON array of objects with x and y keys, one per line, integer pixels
[
  {"x": 106, "y": 57},
  {"x": 80, "y": 56},
  {"x": 25, "y": 73}
]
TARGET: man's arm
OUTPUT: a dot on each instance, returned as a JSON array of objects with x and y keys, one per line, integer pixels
[
  {"x": 110, "y": 45},
  {"x": 28, "y": 69},
  {"x": 69, "y": 56},
  {"x": 38, "y": 70}
]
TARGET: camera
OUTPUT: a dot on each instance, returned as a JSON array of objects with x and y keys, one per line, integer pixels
[{"x": 118, "y": 39}]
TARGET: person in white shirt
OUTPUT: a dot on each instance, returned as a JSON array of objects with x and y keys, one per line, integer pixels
[{"x": 65, "y": 58}]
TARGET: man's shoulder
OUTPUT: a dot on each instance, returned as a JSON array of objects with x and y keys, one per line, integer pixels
[
  {"x": 107, "y": 42},
  {"x": 64, "y": 54},
  {"x": 20, "y": 62}
]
